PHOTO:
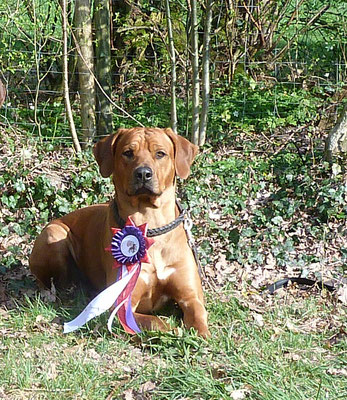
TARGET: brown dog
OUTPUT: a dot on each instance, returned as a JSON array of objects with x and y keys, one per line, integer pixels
[{"x": 143, "y": 163}]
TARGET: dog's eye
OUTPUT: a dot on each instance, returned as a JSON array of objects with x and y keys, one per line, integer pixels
[
  {"x": 160, "y": 154},
  {"x": 128, "y": 154}
]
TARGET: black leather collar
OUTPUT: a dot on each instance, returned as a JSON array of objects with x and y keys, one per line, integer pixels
[{"x": 155, "y": 231}]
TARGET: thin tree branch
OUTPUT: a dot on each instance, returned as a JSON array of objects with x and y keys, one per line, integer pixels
[
  {"x": 301, "y": 31},
  {"x": 66, "y": 80},
  {"x": 195, "y": 73},
  {"x": 205, "y": 74},
  {"x": 173, "y": 67}
]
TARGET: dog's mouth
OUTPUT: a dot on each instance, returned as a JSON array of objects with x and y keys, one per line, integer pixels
[{"x": 143, "y": 189}]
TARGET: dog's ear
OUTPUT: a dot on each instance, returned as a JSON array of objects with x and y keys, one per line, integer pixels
[
  {"x": 185, "y": 153},
  {"x": 104, "y": 153}
]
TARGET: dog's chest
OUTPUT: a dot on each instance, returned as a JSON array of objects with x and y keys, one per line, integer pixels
[
  {"x": 163, "y": 271},
  {"x": 155, "y": 276},
  {"x": 161, "y": 266}
]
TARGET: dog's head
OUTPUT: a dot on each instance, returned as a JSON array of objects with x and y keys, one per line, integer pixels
[{"x": 144, "y": 161}]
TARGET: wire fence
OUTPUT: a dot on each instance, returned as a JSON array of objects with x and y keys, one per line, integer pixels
[{"x": 31, "y": 54}]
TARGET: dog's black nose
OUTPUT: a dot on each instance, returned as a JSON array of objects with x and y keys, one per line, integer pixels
[{"x": 143, "y": 174}]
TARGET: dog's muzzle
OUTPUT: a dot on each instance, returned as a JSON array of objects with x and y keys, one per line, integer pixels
[{"x": 143, "y": 181}]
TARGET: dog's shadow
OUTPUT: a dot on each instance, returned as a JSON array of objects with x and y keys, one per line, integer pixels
[
  {"x": 18, "y": 288},
  {"x": 16, "y": 284},
  {"x": 19, "y": 291}
]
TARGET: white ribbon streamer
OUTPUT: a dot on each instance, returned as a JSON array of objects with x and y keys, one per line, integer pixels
[
  {"x": 113, "y": 314},
  {"x": 102, "y": 302}
]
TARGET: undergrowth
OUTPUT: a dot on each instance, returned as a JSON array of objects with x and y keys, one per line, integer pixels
[{"x": 245, "y": 106}]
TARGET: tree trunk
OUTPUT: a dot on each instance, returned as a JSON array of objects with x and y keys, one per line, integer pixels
[
  {"x": 85, "y": 66},
  {"x": 205, "y": 93},
  {"x": 195, "y": 73},
  {"x": 66, "y": 80},
  {"x": 336, "y": 143},
  {"x": 187, "y": 74},
  {"x": 103, "y": 65},
  {"x": 173, "y": 67},
  {"x": 2, "y": 93}
]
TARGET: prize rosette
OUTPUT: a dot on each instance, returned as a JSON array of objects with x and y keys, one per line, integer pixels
[{"x": 128, "y": 247}]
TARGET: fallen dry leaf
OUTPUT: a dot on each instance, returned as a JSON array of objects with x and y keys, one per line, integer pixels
[
  {"x": 342, "y": 294},
  {"x": 337, "y": 371},
  {"x": 52, "y": 372},
  {"x": 258, "y": 319},
  {"x": 128, "y": 394},
  {"x": 292, "y": 327},
  {"x": 3, "y": 395},
  {"x": 277, "y": 333},
  {"x": 292, "y": 356},
  {"x": 239, "y": 394},
  {"x": 49, "y": 295},
  {"x": 40, "y": 318},
  {"x": 147, "y": 387}
]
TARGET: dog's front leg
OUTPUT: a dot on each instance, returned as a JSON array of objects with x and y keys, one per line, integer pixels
[
  {"x": 185, "y": 289},
  {"x": 144, "y": 321}
]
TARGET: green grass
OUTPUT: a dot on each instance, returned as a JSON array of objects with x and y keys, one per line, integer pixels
[{"x": 287, "y": 356}]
